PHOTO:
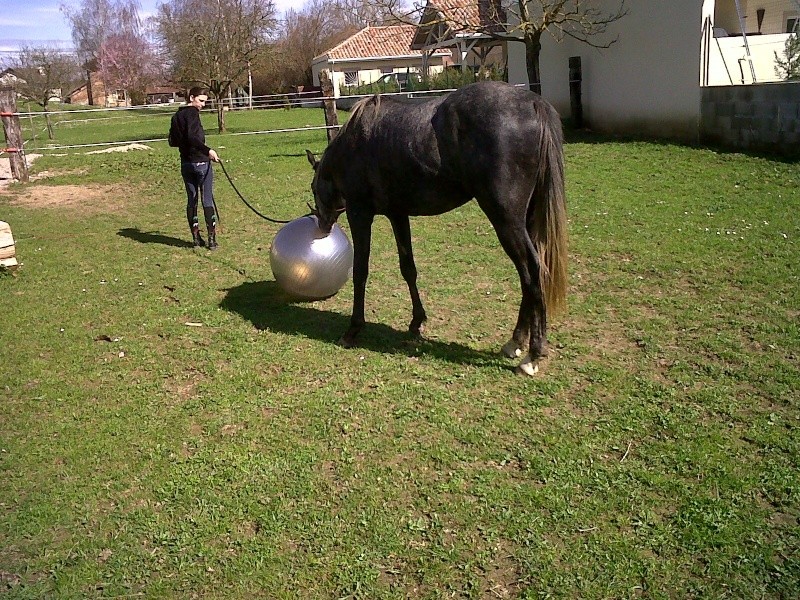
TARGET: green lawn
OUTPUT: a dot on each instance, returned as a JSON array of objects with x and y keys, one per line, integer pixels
[{"x": 655, "y": 455}]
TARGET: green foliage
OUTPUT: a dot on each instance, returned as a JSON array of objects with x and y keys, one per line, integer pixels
[
  {"x": 788, "y": 66},
  {"x": 657, "y": 454}
]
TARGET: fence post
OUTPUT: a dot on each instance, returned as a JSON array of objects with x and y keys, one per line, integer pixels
[
  {"x": 329, "y": 102},
  {"x": 575, "y": 103},
  {"x": 13, "y": 132}
]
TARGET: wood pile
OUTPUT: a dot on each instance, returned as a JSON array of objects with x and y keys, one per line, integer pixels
[{"x": 8, "y": 252}]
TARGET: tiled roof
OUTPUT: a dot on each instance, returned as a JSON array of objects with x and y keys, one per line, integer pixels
[
  {"x": 466, "y": 14},
  {"x": 370, "y": 42}
]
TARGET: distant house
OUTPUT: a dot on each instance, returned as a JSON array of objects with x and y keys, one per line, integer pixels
[
  {"x": 100, "y": 96},
  {"x": 159, "y": 94},
  {"x": 373, "y": 52},
  {"x": 13, "y": 78},
  {"x": 10, "y": 77}
]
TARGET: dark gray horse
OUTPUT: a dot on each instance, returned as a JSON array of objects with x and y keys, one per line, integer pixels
[{"x": 490, "y": 141}]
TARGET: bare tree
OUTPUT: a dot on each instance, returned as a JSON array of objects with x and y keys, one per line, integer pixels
[
  {"x": 317, "y": 27},
  {"x": 93, "y": 21},
  {"x": 127, "y": 62},
  {"x": 306, "y": 34},
  {"x": 360, "y": 13},
  {"x": 213, "y": 43},
  {"x": 517, "y": 20},
  {"x": 42, "y": 75}
]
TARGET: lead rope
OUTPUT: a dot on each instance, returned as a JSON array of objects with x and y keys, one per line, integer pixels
[{"x": 238, "y": 193}]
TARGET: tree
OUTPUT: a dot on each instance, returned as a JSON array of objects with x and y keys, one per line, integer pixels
[
  {"x": 92, "y": 22},
  {"x": 520, "y": 20},
  {"x": 43, "y": 73},
  {"x": 318, "y": 26},
  {"x": 306, "y": 34},
  {"x": 213, "y": 43},
  {"x": 788, "y": 66},
  {"x": 127, "y": 62},
  {"x": 360, "y": 13}
]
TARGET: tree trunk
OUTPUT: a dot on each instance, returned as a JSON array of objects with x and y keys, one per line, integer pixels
[
  {"x": 220, "y": 94},
  {"x": 220, "y": 115},
  {"x": 533, "y": 47},
  {"x": 89, "y": 95}
]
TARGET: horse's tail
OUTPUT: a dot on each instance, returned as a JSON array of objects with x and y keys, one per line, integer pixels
[{"x": 547, "y": 213}]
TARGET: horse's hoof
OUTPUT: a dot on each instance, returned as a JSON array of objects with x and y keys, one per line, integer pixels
[
  {"x": 511, "y": 349},
  {"x": 346, "y": 342},
  {"x": 527, "y": 367}
]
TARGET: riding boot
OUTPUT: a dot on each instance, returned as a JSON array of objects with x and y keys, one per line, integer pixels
[
  {"x": 211, "y": 224},
  {"x": 194, "y": 226}
]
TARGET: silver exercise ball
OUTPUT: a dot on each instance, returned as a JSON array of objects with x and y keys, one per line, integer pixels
[{"x": 307, "y": 263}]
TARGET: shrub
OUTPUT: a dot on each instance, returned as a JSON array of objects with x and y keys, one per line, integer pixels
[{"x": 788, "y": 67}]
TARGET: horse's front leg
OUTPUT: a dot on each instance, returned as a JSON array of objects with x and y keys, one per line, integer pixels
[
  {"x": 361, "y": 229},
  {"x": 402, "y": 235}
]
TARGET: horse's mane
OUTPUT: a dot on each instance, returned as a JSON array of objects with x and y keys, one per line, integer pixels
[{"x": 362, "y": 116}]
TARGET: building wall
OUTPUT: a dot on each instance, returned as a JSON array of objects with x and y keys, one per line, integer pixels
[
  {"x": 724, "y": 53},
  {"x": 727, "y": 62},
  {"x": 762, "y": 117},
  {"x": 645, "y": 84},
  {"x": 775, "y": 14}
]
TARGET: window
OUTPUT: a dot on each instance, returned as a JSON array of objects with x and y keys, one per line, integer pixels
[
  {"x": 351, "y": 77},
  {"x": 792, "y": 24}
]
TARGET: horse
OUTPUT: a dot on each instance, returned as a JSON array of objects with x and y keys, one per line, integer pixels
[{"x": 491, "y": 141}]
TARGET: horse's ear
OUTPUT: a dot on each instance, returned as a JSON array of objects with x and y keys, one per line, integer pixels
[{"x": 312, "y": 159}]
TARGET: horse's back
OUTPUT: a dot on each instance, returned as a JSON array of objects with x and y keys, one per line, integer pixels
[
  {"x": 433, "y": 156},
  {"x": 492, "y": 126}
]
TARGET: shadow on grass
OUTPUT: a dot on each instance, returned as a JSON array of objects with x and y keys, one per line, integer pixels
[
  {"x": 267, "y": 306},
  {"x": 147, "y": 237}
]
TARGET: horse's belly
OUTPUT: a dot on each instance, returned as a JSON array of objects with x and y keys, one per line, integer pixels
[{"x": 434, "y": 202}]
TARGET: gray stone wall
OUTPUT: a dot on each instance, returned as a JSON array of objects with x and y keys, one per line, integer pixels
[{"x": 761, "y": 117}]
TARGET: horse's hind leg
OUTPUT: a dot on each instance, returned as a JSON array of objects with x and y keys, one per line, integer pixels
[
  {"x": 529, "y": 333},
  {"x": 402, "y": 235},
  {"x": 520, "y": 338}
]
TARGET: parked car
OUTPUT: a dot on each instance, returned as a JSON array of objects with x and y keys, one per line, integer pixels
[{"x": 402, "y": 80}]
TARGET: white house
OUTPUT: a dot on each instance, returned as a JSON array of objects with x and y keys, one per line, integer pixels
[{"x": 372, "y": 52}]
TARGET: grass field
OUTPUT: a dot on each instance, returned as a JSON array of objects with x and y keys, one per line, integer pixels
[{"x": 141, "y": 455}]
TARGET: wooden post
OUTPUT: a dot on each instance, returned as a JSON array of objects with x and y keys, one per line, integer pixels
[
  {"x": 13, "y": 132},
  {"x": 575, "y": 103},
  {"x": 329, "y": 102}
]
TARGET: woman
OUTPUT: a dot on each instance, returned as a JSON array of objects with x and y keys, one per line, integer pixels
[{"x": 186, "y": 132}]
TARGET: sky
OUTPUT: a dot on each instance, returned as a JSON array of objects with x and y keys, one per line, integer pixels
[{"x": 41, "y": 22}]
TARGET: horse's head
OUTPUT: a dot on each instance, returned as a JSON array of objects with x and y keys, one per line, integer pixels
[{"x": 328, "y": 202}]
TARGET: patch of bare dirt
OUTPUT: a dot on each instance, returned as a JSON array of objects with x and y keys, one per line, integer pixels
[
  {"x": 89, "y": 199},
  {"x": 83, "y": 199}
]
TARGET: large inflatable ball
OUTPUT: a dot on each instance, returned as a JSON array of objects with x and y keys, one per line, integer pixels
[{"x": 308, "y": 264}]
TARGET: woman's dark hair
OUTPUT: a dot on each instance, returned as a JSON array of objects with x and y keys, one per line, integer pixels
[{"x": 197, "y": 91}]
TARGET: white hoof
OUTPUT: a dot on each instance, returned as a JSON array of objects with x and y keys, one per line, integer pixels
[
  {"x": 511, "y": 349},
  {"x": 528, "y": 367}
]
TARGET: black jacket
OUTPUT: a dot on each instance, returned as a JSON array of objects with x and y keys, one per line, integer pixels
[{"x": 186, "y": 132}]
